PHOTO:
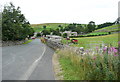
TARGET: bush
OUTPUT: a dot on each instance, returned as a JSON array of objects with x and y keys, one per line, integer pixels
[
  {"x": 65, "y": 35},
  {"x": 38, "y": 34}
]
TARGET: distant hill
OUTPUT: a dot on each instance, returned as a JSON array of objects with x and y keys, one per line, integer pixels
[
  {"x": 113, "y": 28},
  {"x": 39, "y": 27}
]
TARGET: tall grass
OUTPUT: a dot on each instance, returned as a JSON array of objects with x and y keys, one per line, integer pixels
[{"x": 103, "y": 64}]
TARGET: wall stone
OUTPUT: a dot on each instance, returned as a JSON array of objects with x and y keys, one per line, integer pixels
[
  {"x": 58, "y": 45},
  {"x": 10, "y": 43}
]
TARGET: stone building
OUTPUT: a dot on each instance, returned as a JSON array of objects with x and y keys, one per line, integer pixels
[{"x": 69, "y": 33}]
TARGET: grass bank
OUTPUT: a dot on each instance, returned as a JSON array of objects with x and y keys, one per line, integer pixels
[
  {"x": 88, "y": 42},
  {"x": 100, "y": 66},
  {"x": 39, "y": 27},
  {"x": 28, "y": 41}
]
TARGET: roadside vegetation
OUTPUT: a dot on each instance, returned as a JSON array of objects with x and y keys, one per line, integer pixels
[
  {"x": 102, "y": 65},
  {"x": 28, "y": 41}
]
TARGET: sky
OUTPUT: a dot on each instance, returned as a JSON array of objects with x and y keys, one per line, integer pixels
[{"x": 67, "y": 11}]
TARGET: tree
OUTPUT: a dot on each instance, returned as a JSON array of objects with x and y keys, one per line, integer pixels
[
  {"x": 46, "y": 32},
  {"x": 56, "y": 32},
  {"x": 14, "y": 24},
  {"x": 44, "y": 27},
  {"x": 65, "y": 35},
  {"x": 79, "y": 28},
  {"x": 59, "y": 26},
  {"x": 70, "y": 27},
  {"x": 91, "y": 26},
  {"x": 61, "y": 29}
]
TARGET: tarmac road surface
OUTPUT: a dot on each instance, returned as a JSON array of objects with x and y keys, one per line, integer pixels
[{"x": 32, "y": 61}]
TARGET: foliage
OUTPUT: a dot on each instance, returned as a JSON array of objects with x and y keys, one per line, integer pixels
[
  {"x": 56, "y": 32},
  {"x": 113, "y": 28},
  {"x": 105, "y": 25},
  {"x": 91, "y": 26},
  {"x": 43, "y": 40},
  {"x": 14, "y": 24},
  {"x": 102, "y": 65},
  {"x": 28, "y": 41},
  {"x": 38, "y": 34},
  {"x": 46, "y": 32},
  {"x": 44, "y": 27},
  {"x": 65, "y": 35}
]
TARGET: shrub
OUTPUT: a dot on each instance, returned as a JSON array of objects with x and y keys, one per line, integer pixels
[
  {"x": 38, "y": 34},
  {"x": 65, "y": 35}
]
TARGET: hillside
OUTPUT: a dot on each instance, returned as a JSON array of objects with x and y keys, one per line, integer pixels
[
  {"x": 113, "y": 28},
  {"x": 39, "y": 27}
]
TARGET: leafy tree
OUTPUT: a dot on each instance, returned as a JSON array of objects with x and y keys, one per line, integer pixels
[
  {"x": 59, "y": 25},
  {"x": 38, "y": 34},
  {"x": 70, "y": 27},
  {"x": 44, "y": 27},
  {"x": 61, "y": 29},
  {"x": 14, "y": 24},
  {"x": 79, "y": 29},
  {"x": 65, "y": 35},
  {"x": 91, "y": 26},
  {"x": 56, "y": 32},
  {"x": 46, "y": 32}
]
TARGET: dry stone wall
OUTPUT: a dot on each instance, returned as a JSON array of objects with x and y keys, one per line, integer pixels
[
  {"x": 58, "y": 45},
  {"x": 10, "y": 43}
]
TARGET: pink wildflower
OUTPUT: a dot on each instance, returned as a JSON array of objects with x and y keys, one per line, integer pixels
[
  {"x": 115, "y": 55},
  {"x": 119, "y": 42},
  {"x": 109, "y": 52},
  {"x": 115, "y": 50},
  {"x": 94, "y": 58},
  {"x": 105, "y": 48},
  {"x": 96, "y": 47}
]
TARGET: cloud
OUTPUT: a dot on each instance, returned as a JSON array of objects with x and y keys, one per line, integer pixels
[{"x": 80, "y": 11}]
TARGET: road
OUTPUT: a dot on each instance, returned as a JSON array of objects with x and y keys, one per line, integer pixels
[{"x": 32, "y": 61}]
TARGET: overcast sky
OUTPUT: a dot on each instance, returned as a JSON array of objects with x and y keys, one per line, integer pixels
[{"x": 67, "y": 11}]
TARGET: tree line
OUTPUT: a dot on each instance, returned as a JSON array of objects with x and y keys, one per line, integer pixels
[
  {"x": 14, "y": 24},
  {"x": 75, "y": 27}
]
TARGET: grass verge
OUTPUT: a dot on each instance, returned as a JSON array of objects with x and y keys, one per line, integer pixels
[
  {"x": 28, "y": 41},
  {"x": 103, "y": 66}
]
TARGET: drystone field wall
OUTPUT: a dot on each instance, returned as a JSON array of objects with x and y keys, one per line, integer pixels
[
  {"x": 58, "y": 45},
  {"x": 55, "y": 44},
  {"x": 10, "y": 43}
]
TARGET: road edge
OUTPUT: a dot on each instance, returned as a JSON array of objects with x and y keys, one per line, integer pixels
[{"x": 57, "y": 67}]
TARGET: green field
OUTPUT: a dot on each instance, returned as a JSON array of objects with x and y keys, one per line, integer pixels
[
  {"x": 113, "y": 28},
  {"x": 39, "y": 27},
  {"x": 88, "y": 42}
]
